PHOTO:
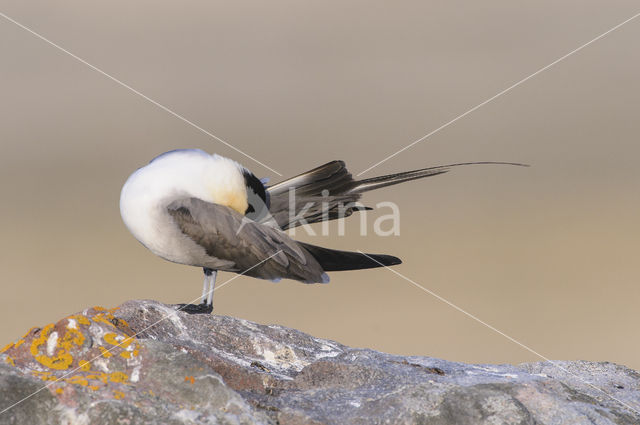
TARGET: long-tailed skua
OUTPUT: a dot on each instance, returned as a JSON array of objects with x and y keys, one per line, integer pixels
[{"x": 203, "y": 210}]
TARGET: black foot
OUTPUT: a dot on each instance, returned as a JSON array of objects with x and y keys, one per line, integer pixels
[{"x": 202, "y": 308}]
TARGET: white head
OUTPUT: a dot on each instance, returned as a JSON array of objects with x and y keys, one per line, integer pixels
[
  {"x": 174, "y": 175},
  {"x": 189, "y": 173}
]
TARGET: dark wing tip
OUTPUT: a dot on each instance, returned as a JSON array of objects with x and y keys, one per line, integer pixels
[
  {"x": 384, "y": 259},
  {"x": 332, "y": 260}
]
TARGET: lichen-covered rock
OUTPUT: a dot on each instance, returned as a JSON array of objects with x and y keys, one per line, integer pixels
[
  {"x": 144, "y": 363},
  {"x": 90, "y": 368}
]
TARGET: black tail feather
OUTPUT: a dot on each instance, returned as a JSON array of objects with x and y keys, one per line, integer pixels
[
  {"x": 341, "y": 189},
  {"x": 333, "y": 260}
]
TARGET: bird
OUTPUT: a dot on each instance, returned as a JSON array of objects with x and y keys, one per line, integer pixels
[{"x": 205, "y": 210}]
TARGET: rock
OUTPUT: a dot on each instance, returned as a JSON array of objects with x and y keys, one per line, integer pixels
[{"x": 144, "y": 363}]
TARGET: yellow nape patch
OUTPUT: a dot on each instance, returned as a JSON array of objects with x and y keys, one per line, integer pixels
[{"x": 234, "y": 199}]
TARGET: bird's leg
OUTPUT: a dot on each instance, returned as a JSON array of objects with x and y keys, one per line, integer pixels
[
  {"x": 205, "y": 288},
  {"x": 212, "y": 285},
  {"x": 206, "y": 304}
]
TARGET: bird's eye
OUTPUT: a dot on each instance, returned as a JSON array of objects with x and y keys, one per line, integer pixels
[{"x": 250, "y": 209}]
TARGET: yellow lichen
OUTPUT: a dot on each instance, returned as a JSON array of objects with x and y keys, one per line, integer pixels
[
  {"x": 62, "y": 357},
  {"x": 60, "y": 362},
  {"x": 105, "y": 318},
  {"x": 93, "y": 387},
  {"x": 124, "y": 322},
  {"x": 118, "y": 377},
  {"x": 6, "y": 347},
  {"x": 10, "y": 361},
  {"x": 19, "y": 343},
  {"x": 37, "y": 342},
  {"x": 85, "y": 366},
  {"x": 104, "y": 352},
  {"x": 59, "y": 390},
  {"x": 80, "y": 319},
  {"x": 45, "y": 376},
  {"x": 118, "y": 394},
  {"x": 125, "y": 355},
  {"x": 100, "y": 376},
  {"x": 73, "y": 336},
  {"x": 78, "y": 380},
  {"x": 111, "y": 338}
]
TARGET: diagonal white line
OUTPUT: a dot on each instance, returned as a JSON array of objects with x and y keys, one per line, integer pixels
[
  {"x": 173, "y": 313},
  {"x": 633, "y": 409},
  {"x": 128, "y": 87},
  {"x": 480, "y": 105}
]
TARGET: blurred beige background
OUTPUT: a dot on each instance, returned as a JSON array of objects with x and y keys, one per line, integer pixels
[{"x": 548, "y": 254}]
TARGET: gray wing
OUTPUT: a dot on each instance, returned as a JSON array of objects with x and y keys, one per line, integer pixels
[{"x": 225, "y": 234}]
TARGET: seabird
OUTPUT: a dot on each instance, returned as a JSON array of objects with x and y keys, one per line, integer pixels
[{"x": 203, "y": 210}]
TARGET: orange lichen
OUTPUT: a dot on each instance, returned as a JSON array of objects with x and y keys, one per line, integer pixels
[
  {"x": 6, "y": 347},
  {"x": 45, "y": 376},
  {"x": 100, "y": 376},
  {"x": 80, "y": 319},
  {"x": 72, "y": 336},
  {"x": 104, "y": 352},
  {"x": 60, "y": 361},
  {"x": 98, "y": 308},
  {"x": 124, "y": 322},
  {"x": 106, "y": 318},
  {"x": 112, "y": 339},
  {"x": 127, "y": 341},
  {"x": 56, "y": 346},
  {"x": 62, "y": 357},
  {"x": 37, "y": 342},
  {"x": 189, "y": 379},
  {"x": 119, "y": 377},
  {"x": 78, "y": 380},
  {"x": 118, "y": 394}
]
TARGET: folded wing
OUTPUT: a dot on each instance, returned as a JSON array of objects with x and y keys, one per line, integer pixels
[{"x": 260, "y": 250}]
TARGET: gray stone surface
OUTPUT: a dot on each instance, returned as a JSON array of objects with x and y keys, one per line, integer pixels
[{"x": 89, "y": 368}]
